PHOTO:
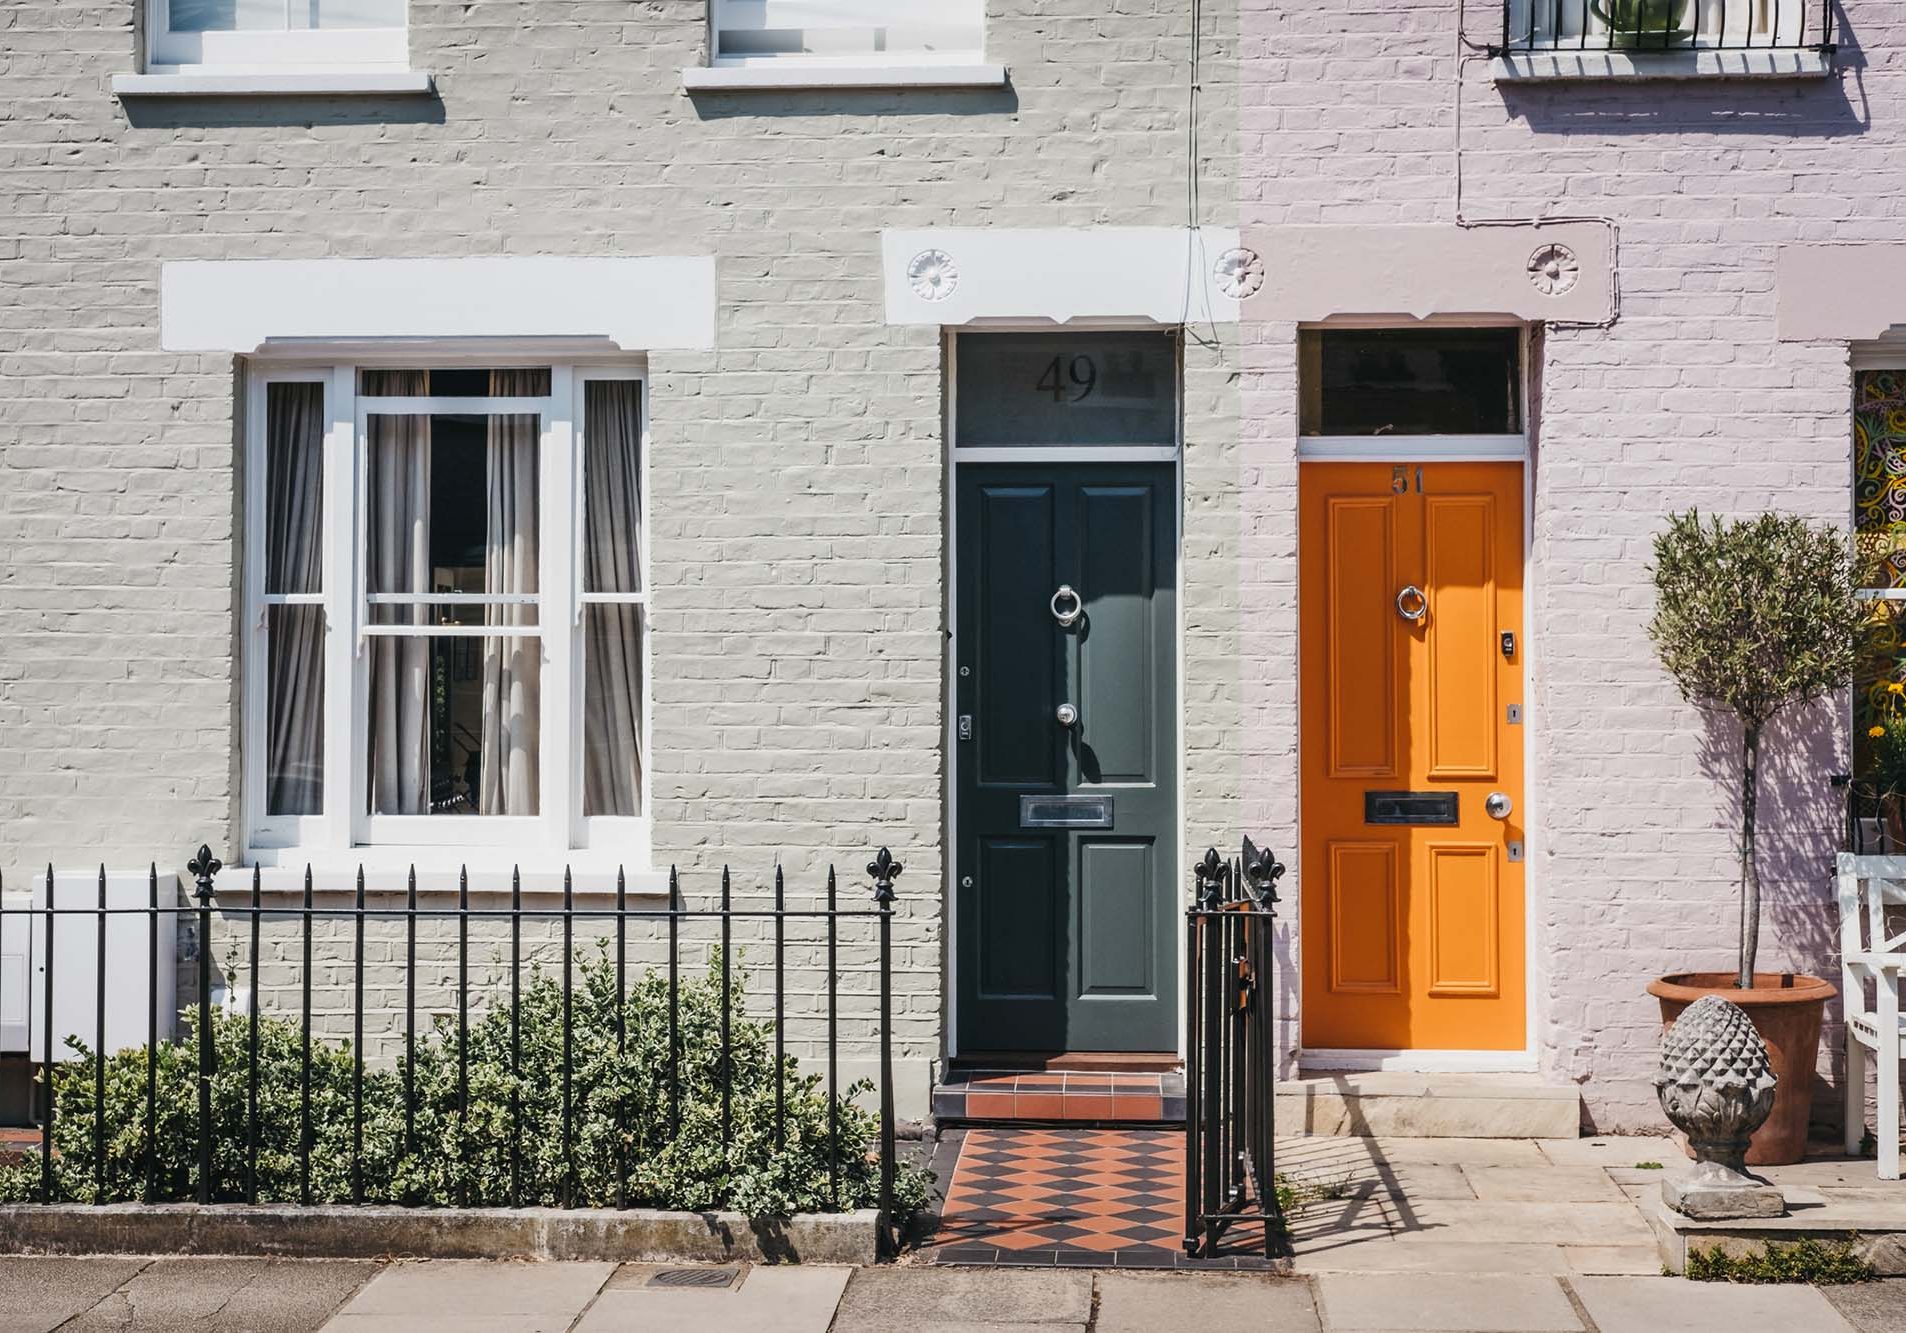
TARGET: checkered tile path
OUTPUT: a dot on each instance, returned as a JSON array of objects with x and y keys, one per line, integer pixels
[{"x": 1075, "y": 1197}]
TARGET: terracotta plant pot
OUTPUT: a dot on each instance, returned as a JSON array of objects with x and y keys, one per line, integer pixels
[{"x": 1786, "y": 1009}]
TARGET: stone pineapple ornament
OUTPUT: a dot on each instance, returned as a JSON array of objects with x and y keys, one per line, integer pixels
[{"x": 1716, "y": 1085}]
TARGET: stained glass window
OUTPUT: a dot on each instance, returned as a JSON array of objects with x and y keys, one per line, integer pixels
[{"x": 1879, "y": 520}]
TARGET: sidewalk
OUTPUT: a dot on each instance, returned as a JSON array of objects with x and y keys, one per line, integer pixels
[
  {"x": 40, "y": 1295},
  {"x": 1437, "y": 1235}
]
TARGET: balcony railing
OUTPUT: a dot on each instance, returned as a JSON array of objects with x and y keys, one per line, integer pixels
[{"x": 1642, "y": 28}]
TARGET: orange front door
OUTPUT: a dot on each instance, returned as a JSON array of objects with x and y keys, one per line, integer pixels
[{"x": 1412, "y": 871}]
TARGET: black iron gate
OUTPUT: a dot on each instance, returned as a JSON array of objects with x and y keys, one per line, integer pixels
[{"x": 1231, "y": 1053}]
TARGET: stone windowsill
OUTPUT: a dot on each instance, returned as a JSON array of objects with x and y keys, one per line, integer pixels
[
  {"x": 802, "y": 75},
  {"x": 1519, "y": 67},
  {"x": 289, "y": 83}
]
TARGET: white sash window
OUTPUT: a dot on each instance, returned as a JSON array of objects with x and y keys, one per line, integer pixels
[
  {"x": 447, "y": 638},
  {"x": 849, "y": 32},
  {"x": 245, "y": 36}
]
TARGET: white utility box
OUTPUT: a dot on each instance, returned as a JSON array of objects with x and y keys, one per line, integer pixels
[{"x": 129, "y": 963}]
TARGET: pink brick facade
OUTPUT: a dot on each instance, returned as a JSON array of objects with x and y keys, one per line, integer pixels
[{"x": 1357, "y": 114}]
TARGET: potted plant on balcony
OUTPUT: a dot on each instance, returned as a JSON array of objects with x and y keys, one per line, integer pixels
[
  {"x": 1753, "y": 616},
  {"x": 1644, "y": 23}
]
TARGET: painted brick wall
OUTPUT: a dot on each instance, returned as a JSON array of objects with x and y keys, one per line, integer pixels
[
  {"x": 1359, "y": 113},
  {"x": 797, "y": 472}
]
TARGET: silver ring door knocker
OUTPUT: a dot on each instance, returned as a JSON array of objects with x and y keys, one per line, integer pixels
[
  {"x": 1067, "y": 606},
  {"x": 1412, "y": 605}
]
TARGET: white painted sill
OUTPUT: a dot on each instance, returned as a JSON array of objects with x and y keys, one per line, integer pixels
[
  {"x": 386, "y": 870},
  {"x": 1533, "y": 67},
  {"x": 290, "y": 83},
  {"x": 797, "y": 75}
]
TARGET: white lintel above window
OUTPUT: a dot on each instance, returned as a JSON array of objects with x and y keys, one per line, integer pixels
[
  {"x": 845, "y": 44},
  {"x": 254, "y": 47}
]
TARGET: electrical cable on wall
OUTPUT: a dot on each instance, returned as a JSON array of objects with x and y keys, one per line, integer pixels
[{"x": 1467, "y": 52}]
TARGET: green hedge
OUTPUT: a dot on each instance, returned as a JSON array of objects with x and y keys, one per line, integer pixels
[{"x": 619, "y": 1111}]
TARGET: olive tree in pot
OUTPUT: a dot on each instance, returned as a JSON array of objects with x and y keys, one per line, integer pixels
[{"x": 1753, "y": 616}]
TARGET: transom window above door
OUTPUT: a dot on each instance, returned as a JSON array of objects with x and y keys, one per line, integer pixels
[
  {"x": 1441, "y": 391},
  {"x": 1099, "y": 389},
  {"x": 246, "y": 36},
  {"x": 447, "y": 640}
]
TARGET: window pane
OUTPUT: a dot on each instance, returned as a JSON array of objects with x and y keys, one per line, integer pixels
[
  {"x": 456, "y": 382},
  {"x": 452, "y": 505},
  {"x": 1879, "y": 523},
  {"x": 454, "y": 726},
  {"x": 294, "y": 768},
  {"x": 613, "y": 760},
  {"x": 612, "y": 473},
  {"x": 1411, "y": 381},
  {"x": 279, "y": 15},
  {"x": 348, "y": 13},
  {"x": 846, "y": 28},
  {"x": 1060, "y": 388},
  {"x": 226, "y": 15},
  {"x": 294, "y": 488}
]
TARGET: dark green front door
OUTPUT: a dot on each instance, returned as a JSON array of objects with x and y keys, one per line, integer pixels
[{"x": 1066, "y": 930}]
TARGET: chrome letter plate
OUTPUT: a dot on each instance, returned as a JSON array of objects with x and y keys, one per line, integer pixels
[{"x": 1065, "y": 812}]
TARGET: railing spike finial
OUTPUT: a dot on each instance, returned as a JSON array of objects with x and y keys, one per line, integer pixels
[
  {"x": 885, "y": 871},
  {"x": 202, "y": 868},
  {"x": 1210, "y": 876},
  {"x": 1262, "y": 870}
]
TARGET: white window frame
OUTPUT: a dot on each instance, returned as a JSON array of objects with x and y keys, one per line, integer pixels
[
  {"x": 309, "y": 50},
  {"x": 345, "y": 834},
  {"x": 845, "y": 60}
]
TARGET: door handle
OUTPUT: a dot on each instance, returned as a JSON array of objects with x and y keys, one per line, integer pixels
[
  {"x": 1067, "y": 715},
  {"x": 1411, "y": 604},
  {"x": 1498, "y": 805}
]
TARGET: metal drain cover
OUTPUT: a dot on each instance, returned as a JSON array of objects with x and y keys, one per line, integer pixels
[{"x": 694, "y": 1277}]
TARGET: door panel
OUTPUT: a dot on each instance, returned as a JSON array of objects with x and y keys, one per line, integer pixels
[
  {"x": 1362, "y": 659},
  {"x": 1412, "y": 931},
  {"x": 1064, "y": 936},
  {"x": 1019, "y": 909}
]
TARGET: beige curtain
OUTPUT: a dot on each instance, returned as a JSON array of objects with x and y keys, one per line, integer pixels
[
  {"x": 512, "y": 684},
  {"x": 398, "y": 515},
  {"x": 294, "y": 547},
  {"x": 613, "y": 760}
]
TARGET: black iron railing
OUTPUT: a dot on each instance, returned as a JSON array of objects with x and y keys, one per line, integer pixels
[
  {"x": 1643, "y": 27},
  {"x": 1231, "y": 1053},
  {"x": 143, "y": 1162}
]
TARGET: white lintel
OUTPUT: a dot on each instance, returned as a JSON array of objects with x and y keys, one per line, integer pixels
[
  {"x": 636, "y": 304},
  {"x": 1167, "y": 275}
]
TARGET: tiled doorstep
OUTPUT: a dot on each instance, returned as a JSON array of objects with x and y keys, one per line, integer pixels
[{"x": 1060, "y": 1096}]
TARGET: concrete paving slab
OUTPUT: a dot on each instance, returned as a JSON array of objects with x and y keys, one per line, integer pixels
[
  {"x": 1487, "y": 1222},
  {"x": 768, "y": 1300},
  {"x": 453, "y": 1289},
  {"x": 1543, "y": 1184},
  {"x": 1387, "y": 1256},
  {"x": 1871, "y": 1307},
  {"x": 1148, "y": 1302},
  {"x": 43, "y": 1293},
  {"x": 1462, "y": 1152},
  {"x": 1648, "y": 1305},
  {"x": 1612, "y": 1150},
  {"x": 1613, "y": 1260},
  {"x": 216, "y": 1295},
  {"x": 1382, "y": 1302},
  {"x": 914, "y": 1297}
]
